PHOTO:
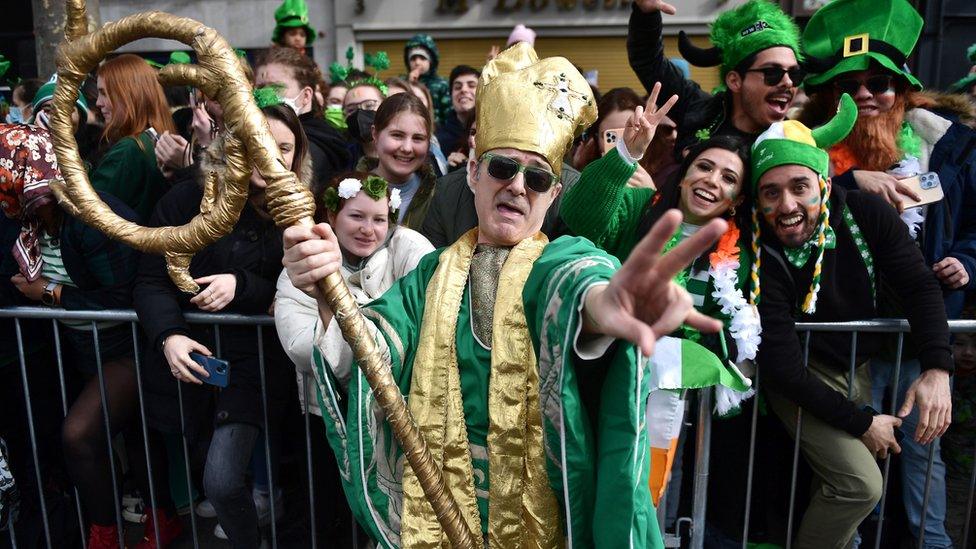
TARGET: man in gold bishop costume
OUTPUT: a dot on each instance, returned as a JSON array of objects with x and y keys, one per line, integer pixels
[{"x": 494, "y": 341}]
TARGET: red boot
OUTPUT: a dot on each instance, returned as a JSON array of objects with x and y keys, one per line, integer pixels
[
  {"x": 168, "y": 525},
  {"x": 103, "y": 537}
]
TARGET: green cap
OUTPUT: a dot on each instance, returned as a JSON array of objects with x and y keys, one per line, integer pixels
[
  {"x": 46, "y": 92},
  {"x": 736, "y": 34},
  {"x": 790, "y": 142},
  {"x": 289, "y": 15},
  {"x": 970, "y": 54},
  {"x": 847, "y": 35}
]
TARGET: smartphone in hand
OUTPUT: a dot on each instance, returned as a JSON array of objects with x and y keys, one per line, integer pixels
[{"x": 219, "y": 370}]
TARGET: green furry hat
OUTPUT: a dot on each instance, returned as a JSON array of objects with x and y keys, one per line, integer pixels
[{"x": 736, "y": 34}]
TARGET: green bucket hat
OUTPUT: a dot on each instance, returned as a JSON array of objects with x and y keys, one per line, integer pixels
[
  {"x": 847, "y": 35},
  {"x": 289, "y": 15},
  {"x": 736, "y": 34},
  {"x": 46, "y": 92}
]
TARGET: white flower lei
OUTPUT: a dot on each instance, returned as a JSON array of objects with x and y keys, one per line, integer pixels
[
  {"x": 395, "y": 200},
  {"x": 744, "y": 325}
]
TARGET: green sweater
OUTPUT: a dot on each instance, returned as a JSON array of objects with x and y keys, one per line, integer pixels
[
  {"x": 128, "y": 172},
  {"x": 601, "y": 207}
]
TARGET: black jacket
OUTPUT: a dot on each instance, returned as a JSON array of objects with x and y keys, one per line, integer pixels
[
  {"x": 845, "y": 294},
  {"x": 330, "y": 154},
  {"x": 252, "y": 252},
  {"x": 696, "y": 109},
  {"x": 452, "y": 213}
]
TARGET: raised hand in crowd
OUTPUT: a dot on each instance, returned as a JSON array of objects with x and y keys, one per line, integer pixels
[
  {"x": 218, "y": 294},
  {"x": 172, "y": 153},
  {"x": 493, "y": 53},
  {"x": 641, "y": 127},
  {"x": 951, "y": 273},
  {"x": 931, "y": 392},
  {"x": 880, "y": 436},
  {"x": 648, "y": 6},
  {"x": 885, "y": 185},
  {"x": 177, "y": 349},
  {"x": 204, "y": 127},
  {"x": 456, "y": 159},
  {"x": 642, "y": 302},
  {"x": 415, "y": 74}
]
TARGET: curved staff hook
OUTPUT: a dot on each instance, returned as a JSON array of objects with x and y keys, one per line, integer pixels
[{"x": 248, "y": 140}]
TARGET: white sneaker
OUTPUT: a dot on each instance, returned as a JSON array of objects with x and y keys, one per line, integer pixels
[
  {"x": 206, "y": 509},
  {"x": 262, "y": 503},
  {"x": 219, "y": 532}
]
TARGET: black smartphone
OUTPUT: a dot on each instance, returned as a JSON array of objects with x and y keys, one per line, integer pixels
[
  {"x": 219, "y": 370},
  {"x": 899, "y": 434}
]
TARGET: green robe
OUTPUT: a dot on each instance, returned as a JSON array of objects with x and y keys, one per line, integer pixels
[
  {"x": 597, "y": 456},
  {"x": 128, "y": 172}
]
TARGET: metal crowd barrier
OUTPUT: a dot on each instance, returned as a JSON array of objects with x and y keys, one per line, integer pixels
[
  {"x": 216, "y": 320},
  {"x": 697, "y": 522},
  {"x": 700, "y": 478}
]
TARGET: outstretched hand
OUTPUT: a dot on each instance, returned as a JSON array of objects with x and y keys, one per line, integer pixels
[
  {"x": 641, "y": 127},
  {"x": 649, "y": 6},
  {"x": 642, "y": 303}
]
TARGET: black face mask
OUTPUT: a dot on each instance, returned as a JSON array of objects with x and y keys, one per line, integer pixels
[{"x": 360, "y": 125}]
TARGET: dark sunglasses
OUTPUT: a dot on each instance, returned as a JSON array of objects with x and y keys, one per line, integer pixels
[
  {"x": 774, "y": 75},
  {"x": 879, "y": 83},
  {"x": 505, "y": 169}
]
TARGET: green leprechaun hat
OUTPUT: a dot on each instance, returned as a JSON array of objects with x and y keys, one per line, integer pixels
[
  {"x": 736, "y": 34},
  {"x": 847, "y": 35},
  {"x": 292, "y": 14}
]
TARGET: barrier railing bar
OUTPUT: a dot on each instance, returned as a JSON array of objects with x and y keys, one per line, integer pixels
[
  {"x": 969, "y": 504},
  {"x": 887, "y": 464},
  {"x": 750, "y": 471},
  {"x": 267, "y": 438},
  {"x": 130, "y": 316},
  {"x": 218, "y": 348},
  {"x": 796, "y": 451},
  {"x": 702, "y": 455},
  {"x": 103, "y": 395},
  {"x": 927, "y": 494},
  {"x": 154, "y": 509},
  {"x": 852, "y": 375},
  {"x": 13, "y": 535},
  {"x": 33, "y": 433},
  {"x": 186, "y": 465},
  {"x": 308, "y": 460},
  {"x": 64, "y": 409}
]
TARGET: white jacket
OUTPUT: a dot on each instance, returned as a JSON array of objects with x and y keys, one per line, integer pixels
[{"x": 297, "y": 316}]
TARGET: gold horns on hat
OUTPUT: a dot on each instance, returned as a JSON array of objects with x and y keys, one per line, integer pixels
[
  {"x": 247, "y": 141},
  {"x": 532, "y": 105}
]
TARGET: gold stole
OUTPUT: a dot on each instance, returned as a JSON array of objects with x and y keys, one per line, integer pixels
[{"x": 522, "y": 509}]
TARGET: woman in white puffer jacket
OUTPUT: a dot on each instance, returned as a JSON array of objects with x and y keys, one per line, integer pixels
[{"x": 361, "y": 209}]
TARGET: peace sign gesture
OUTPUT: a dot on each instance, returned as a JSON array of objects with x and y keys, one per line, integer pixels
[{"x": 642, "y": 125}]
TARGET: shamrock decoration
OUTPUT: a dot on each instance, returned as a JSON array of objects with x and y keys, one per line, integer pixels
[
  {"x": 379, "y": 61},
  {"x": 265, "y": 96},
  {"x": 338, "y": 73}
]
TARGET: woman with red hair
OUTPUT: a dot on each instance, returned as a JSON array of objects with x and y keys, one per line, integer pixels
[{"x": 135, "y": 111}]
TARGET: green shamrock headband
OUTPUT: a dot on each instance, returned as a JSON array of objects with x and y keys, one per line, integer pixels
[{"x": 374, "y": 186}]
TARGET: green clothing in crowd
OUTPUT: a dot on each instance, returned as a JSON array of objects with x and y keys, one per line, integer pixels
[{"x": 128, "y": 172}]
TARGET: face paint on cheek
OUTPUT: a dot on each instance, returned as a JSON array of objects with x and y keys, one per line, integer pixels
[
  {"x": 767, "y": 210},
  {"x": 814, "y": 200}
]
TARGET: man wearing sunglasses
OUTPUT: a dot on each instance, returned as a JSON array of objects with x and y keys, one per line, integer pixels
[
  {"x": 859, "y": 47},
  {"x": 757, "y": 47},
  {"x": 504, "y": 308}
]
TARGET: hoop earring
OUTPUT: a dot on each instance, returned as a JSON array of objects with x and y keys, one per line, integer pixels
[{"x": 732, "y": 211}]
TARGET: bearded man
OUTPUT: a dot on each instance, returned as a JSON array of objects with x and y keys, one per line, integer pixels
[
  {"x": 820, "y": 254},
  {"x": 556, "y": 452},
  {"x": 859, "y": 47},
  {"x": 757, "y": 48}
]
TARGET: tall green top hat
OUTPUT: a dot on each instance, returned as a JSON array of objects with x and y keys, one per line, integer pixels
[
  {"x": 847, "y": 35},
  {"x": 736, "y": 34},
  {"x": 292, "y": 14}
]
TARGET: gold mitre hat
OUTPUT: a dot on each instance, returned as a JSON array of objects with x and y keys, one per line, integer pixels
[{"x": 531, "y": 105}]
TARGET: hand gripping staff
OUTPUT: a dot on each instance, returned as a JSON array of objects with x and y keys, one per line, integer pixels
[{"x": 248, "y": 142}]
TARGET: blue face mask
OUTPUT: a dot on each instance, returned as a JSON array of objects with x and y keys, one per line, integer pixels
[{"x": 15, "y": 116}]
